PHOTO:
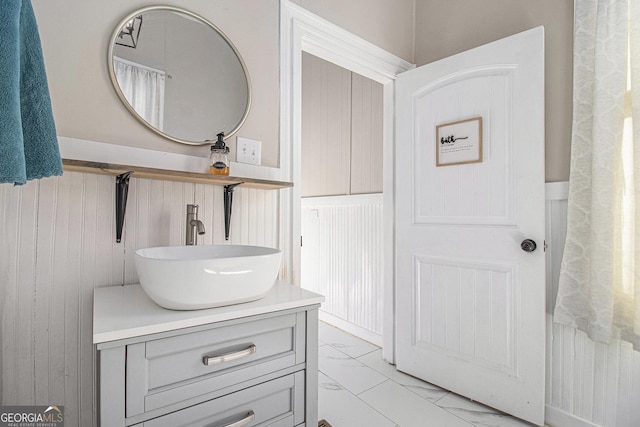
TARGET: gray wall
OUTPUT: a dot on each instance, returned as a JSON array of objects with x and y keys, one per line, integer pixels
[
  {"x": 385, "y": 23},
  {"x": 444, "y": 28},
  {"x": 75, "y": 34},
  {"x": 86, "y": 106}
]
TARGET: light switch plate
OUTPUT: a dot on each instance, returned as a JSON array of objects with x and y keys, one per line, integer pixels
[{"x": 248, "y": 151}]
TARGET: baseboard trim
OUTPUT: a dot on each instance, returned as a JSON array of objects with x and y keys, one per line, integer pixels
[
  {"x": 555, "y": 417},
  {"x": 358, "y": 331}
]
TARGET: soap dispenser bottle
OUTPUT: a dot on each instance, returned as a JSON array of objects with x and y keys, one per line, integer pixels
[{"x": 219, "y": 164}]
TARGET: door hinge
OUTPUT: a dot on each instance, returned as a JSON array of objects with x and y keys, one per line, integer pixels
[
  {"x": 545, "y": 246},
  {"x": 300, "y": 241}
]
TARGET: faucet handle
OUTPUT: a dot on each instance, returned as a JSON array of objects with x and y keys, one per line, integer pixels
[{"x": 194, "y": 225}]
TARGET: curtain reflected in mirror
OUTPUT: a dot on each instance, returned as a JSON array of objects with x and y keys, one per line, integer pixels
[{"x": 143, "y": 87}]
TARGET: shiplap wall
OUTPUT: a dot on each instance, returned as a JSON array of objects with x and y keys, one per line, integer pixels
[
  {"x": 342, "y": 132},
  {"x": 58, "y": 244},
  {"x": 326, "y": 128},
  {"x": 367, "y": 102}
]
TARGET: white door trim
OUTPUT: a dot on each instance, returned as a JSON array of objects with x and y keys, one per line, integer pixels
[{"x": 301, "y": 30}]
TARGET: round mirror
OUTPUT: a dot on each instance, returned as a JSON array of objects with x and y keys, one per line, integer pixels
[{"x": 179, "y": 75}]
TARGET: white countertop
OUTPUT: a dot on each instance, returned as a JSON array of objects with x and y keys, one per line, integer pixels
[{"x": 121, "y": 312}]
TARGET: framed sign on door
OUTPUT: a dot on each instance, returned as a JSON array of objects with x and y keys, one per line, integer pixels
[{"x": 459, "y": 143}]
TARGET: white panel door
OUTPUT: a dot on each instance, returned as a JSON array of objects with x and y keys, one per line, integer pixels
[{"x": 470, "y": 301}]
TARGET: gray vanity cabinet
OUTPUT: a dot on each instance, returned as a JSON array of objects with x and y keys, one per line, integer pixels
[{"x": 252, "y": 371}]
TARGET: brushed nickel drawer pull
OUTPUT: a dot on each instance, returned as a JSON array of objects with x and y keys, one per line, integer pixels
[
  {"x": 213, "y": 360},
  {"x": 243, "y": 422}
]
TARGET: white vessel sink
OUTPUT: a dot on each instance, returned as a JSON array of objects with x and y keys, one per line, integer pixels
[{"x": 197, "y": 277}]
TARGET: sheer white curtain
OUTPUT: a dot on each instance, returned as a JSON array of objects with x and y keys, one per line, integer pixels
[
  {"x": 599, "y": 290},
  {"x": 144, "y": 89}
]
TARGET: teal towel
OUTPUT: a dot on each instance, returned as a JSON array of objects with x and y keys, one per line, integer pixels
[{"x": 28, "y": 142}]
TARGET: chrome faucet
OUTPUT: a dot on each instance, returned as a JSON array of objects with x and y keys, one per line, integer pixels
[{"x": 194, "y": 225}]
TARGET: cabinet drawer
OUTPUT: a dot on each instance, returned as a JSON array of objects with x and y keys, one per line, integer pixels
[
  {"x": 170, "y": 370},
  {"x": 279, "y": 402}
]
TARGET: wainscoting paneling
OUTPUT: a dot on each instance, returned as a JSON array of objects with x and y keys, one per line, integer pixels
[
  {"x": 342, "y": 258},
  {"x": 58, "y": 245},
  {"x": 587, "y": 383}
]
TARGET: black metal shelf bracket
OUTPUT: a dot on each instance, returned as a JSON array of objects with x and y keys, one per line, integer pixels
[
  {"x": 122, "y": 191},
  {"x": 228, "y": 202}
]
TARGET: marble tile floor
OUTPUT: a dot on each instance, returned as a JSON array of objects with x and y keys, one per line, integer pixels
[{"x": 358, "y": 389}]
